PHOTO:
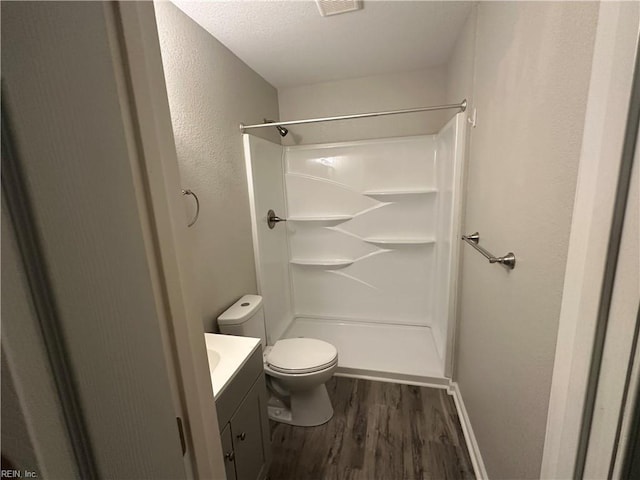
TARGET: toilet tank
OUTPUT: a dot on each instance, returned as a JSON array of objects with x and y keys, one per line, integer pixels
[{"x": 244, "y": 318}]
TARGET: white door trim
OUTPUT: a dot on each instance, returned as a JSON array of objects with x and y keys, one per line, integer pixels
[
  {"x": 605, "y": 121},
  {"x": 160, "y": 182}
]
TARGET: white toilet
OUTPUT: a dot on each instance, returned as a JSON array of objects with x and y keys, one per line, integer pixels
[{"x": 296, "y": 368}]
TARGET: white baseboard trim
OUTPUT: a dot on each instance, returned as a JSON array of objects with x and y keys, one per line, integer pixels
[{"x": 467, "y": 429}]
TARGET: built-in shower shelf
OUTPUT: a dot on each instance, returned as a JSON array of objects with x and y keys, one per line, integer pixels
[
  {"x": 325, "y": 262},
  {"x": 400, "y": 241},
  {"x": 321, "y": 218},
  {"x": 391, "y": 192}
]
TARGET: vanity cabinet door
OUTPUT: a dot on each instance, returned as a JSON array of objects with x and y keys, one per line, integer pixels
[
  {"x": 246, "y": 429},
  {"x": 229, "y": 454}
]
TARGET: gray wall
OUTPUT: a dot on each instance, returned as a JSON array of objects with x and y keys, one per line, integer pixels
[
  {"x": 210, "y": 92},
  {"x": 460, "y": 69},
  {"x": 532, "y": 66},
  {"x": 366, "y": 94}
]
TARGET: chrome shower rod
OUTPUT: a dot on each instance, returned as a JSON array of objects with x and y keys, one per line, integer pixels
[{"x": 462, "y": 106}]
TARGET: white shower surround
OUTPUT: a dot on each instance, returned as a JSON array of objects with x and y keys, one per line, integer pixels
[{"x": 368, "y": 257}]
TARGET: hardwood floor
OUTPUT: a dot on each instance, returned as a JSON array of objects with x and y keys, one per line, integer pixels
[{"x": 380, "y": 431}]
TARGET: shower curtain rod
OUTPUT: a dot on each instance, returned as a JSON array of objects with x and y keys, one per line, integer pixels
[{"x": 462, "y": 106}]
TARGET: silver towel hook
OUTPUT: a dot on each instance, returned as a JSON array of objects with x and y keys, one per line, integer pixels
[{"x": 190, "y": 192}]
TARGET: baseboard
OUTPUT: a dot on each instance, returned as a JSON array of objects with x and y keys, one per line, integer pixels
[{"x": 467, "y": 429}]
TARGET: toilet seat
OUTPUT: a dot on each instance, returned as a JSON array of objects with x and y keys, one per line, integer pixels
[{"x": 300, "y": 355}]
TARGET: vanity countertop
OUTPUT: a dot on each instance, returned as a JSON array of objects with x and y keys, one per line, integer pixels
[{"x": 227, "y": 354}]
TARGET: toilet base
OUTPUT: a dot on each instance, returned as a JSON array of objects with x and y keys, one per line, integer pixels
[{"x": 308, "y": 408}]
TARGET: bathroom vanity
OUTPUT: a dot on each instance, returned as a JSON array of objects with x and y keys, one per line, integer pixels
[{"x": 239, "y": 389}]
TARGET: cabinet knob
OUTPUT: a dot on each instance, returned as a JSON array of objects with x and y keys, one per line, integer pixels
[
  {"x": 242, "y": 436},
  {"x": 230, "y": 455}
]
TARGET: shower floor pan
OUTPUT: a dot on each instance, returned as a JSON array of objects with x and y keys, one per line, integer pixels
[{"x": 391, "y": 352}]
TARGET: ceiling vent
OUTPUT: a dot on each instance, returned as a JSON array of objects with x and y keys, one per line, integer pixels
[{"x": 336, "y": 7}]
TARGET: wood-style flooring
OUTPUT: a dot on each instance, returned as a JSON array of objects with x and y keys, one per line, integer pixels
[{"x": 380, "y": 431}]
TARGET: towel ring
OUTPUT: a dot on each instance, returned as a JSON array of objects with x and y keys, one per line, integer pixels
[{"x": 189, "y": 192}]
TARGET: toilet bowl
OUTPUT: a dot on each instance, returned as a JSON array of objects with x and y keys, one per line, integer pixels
[{"x": 296, "y": 368}]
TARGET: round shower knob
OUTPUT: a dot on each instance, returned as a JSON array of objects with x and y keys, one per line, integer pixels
[{"x": 272, "y": 219}]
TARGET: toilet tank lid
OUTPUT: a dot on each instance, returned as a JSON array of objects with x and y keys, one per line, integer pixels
[{"x": 239, "y": 312}]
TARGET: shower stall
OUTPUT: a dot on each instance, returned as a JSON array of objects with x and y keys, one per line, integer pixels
[{"x": 364, "y": 250}]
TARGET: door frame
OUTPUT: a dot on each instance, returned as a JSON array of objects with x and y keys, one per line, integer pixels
[
  {"x": 145, "y": 95},
  {"x": 591, "y": 224},
  {"x": 586, "y": 274},
  {"x": 162, "y": 341}
]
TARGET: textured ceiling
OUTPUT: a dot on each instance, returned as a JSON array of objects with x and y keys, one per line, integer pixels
[{"x": 290, "y": 44}]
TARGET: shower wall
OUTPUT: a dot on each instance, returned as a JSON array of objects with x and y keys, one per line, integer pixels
[
  {"x": 362, "y": 226},
  {"x": 367, "y": 259},
  {"x": 265, "y": 178},
  {"x": 373, "y": 228},
  {"x": 450, "y": 144}
]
